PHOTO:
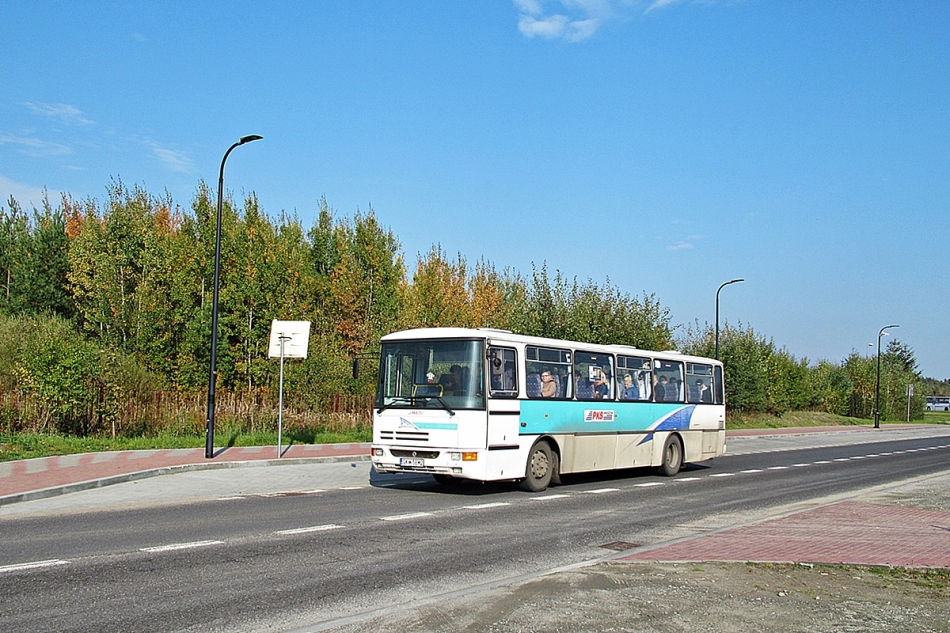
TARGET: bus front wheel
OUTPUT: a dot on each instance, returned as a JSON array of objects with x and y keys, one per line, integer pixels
[
  {"x": 672, "y": 456},
  {"x": 539, "y": 469}
]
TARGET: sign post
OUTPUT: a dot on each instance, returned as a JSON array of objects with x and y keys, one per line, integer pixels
[
  {"x": 288, "y": 339},
  {"x": 910, "y": 393}
]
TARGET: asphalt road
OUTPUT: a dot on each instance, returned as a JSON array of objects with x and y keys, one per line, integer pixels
[{"x": 296, "y": 560}]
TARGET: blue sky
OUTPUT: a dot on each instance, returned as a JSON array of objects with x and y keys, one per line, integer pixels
[{"x": 667, "y": 146}]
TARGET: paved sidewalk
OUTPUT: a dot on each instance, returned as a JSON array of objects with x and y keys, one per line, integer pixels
[
  {"x": 849, "y": 532},
  {"x": 44, "y": 477}
]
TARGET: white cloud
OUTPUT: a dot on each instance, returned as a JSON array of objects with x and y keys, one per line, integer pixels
[
  {"x": 62, "y": 112},
  {"x": 688, "y": 243},
  {"x": 173, "y": 159},
  {"x": 579, "y": 21},
  {"x": 27, "y": 196},
  {"x": 659, "y": 4},
  {"x": 35, "y": 147}
]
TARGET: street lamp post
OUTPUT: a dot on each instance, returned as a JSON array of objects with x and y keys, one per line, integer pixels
[
  {"x": 209, "y": 441},
  {"x": 877, "y": 388},
  {"x": 734, "y": 281}
]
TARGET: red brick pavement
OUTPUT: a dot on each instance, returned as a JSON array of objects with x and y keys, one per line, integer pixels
[
  {"x": 49, "y": 472},
  {"x": 848, "y": 533}
]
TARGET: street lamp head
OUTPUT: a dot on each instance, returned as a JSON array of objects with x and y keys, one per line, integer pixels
[
  {"x": 886, "y": 327},
  {"x": 249, "y": 138}
]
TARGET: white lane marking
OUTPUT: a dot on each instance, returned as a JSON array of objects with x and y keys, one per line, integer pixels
[
  {"x": 752, "y": 470},
  {"x": 799, "y": 465},
  {"x": 873, "y": 455},
  {"x": 402, "y": 517},
  {"x": 313, "y": 492},
  {"x": 600, "y": 491},
  {"x": 687, "y": 479},
  {"x": 179, "y": 546},
  {"x": 778, "y": 468},
  {"x": 34, "y": 565},
  {"x": 723, "y": 475},
  {"x": 546, "y": 497},
  {"x": 824, "y": 461},
  {"x": 313, "y": 528},
  {"x": 842, "y": 459},
  {"x": 858, "y": 457},
  {"x": 649, "y": 484},
  {"x": 352, "y": 488},
  {"x": 482, "y": 506}
]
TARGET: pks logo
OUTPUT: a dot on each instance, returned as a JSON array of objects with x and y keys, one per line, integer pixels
[
  {"x": 599, "y": 416},
  {"x": 406, "y": 424}
]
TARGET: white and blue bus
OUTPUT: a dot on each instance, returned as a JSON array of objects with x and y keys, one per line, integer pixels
[
  {"x": 938, "y": 403},
  {"x": 490, "y": 405}
]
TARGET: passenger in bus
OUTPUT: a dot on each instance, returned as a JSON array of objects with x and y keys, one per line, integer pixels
[
  {"x": 548, "y": 386},
  {"x": 643, "y": 385},
  {"x": 674, "y": 391},
  {"x": 659, "y": 389},
  {"x": 700, "y": 392},
  {"x": 631, "y": 390},
  {"x": 601, "y": 387},
  {"x": 451, "y": 381}
]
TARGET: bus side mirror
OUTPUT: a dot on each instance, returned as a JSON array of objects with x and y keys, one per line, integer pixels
[{"x": 356, "y": 369}]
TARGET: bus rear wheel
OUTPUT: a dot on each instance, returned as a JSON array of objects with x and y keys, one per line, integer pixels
[
  {"x": 672, "y": 456},
  {"x": 539, "y": 469}
]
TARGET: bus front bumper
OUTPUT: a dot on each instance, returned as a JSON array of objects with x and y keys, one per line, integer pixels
[{"x": 451, "y": 462}]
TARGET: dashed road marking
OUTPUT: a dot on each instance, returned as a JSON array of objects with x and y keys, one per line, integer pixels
[
  {"x": 547, "y": 497},
  {"x": 179, "y": 546},
  {"x": 403, "y": 517},
  {"x": 600, "y": 491},
  {"x": 40, "y": 564},
  {"x": 307, "y": 530},
  {"x": 483, "y": 506}
]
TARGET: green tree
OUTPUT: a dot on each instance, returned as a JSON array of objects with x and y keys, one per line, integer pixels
[{"x": 14, "y": 253}]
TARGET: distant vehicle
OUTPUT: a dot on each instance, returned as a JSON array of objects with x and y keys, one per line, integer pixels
[
  {"x": 490, "y": 405},
  {"x": 938, "y": 403}
]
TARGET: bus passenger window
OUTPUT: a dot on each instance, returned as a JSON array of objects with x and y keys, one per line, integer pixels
[
  {"x": 502, "y": 373},
  {"x": 634, "y": 378},
  {"x": 547, "y": 372}
]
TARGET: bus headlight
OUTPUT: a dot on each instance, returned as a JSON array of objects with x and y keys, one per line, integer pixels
[
  {"x": 455, "y": 456},
  {"x": 377, "y": 452}
]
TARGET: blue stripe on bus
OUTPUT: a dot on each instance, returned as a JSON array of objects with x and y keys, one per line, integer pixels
[{"x": 546, "y": 416}]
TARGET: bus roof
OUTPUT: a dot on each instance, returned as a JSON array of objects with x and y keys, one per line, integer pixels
[{"x": 501, "y": 336}]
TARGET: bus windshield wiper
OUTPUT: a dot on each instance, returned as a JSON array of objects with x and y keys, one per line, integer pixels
[
  {"x": 445, "y": 406},
  {"x": 395, "y": 400},
  {"x": 412, "y": 401}
]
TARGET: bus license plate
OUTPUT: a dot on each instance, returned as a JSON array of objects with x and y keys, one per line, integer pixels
[{"x": 411, "y": 461}]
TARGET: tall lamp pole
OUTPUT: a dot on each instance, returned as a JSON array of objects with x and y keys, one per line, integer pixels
[
  {"x": 734, "y": 281},
  {"x": 209, "y": 441},
  {"x": 877, "y": 388}
]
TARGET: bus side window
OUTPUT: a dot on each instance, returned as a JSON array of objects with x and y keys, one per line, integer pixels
[
  {"x": 718, "y": 397},
  {"x": 503, "y": 376}
]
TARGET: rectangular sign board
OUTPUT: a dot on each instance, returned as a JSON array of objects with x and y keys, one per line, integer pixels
[{"x": 296, "y": 335}]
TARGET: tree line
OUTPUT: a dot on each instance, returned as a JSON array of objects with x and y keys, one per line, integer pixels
[{"x": 105, "y": 317}]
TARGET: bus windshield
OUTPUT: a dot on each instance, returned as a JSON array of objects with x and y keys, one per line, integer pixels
[{"x": 442, "y": 374}]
